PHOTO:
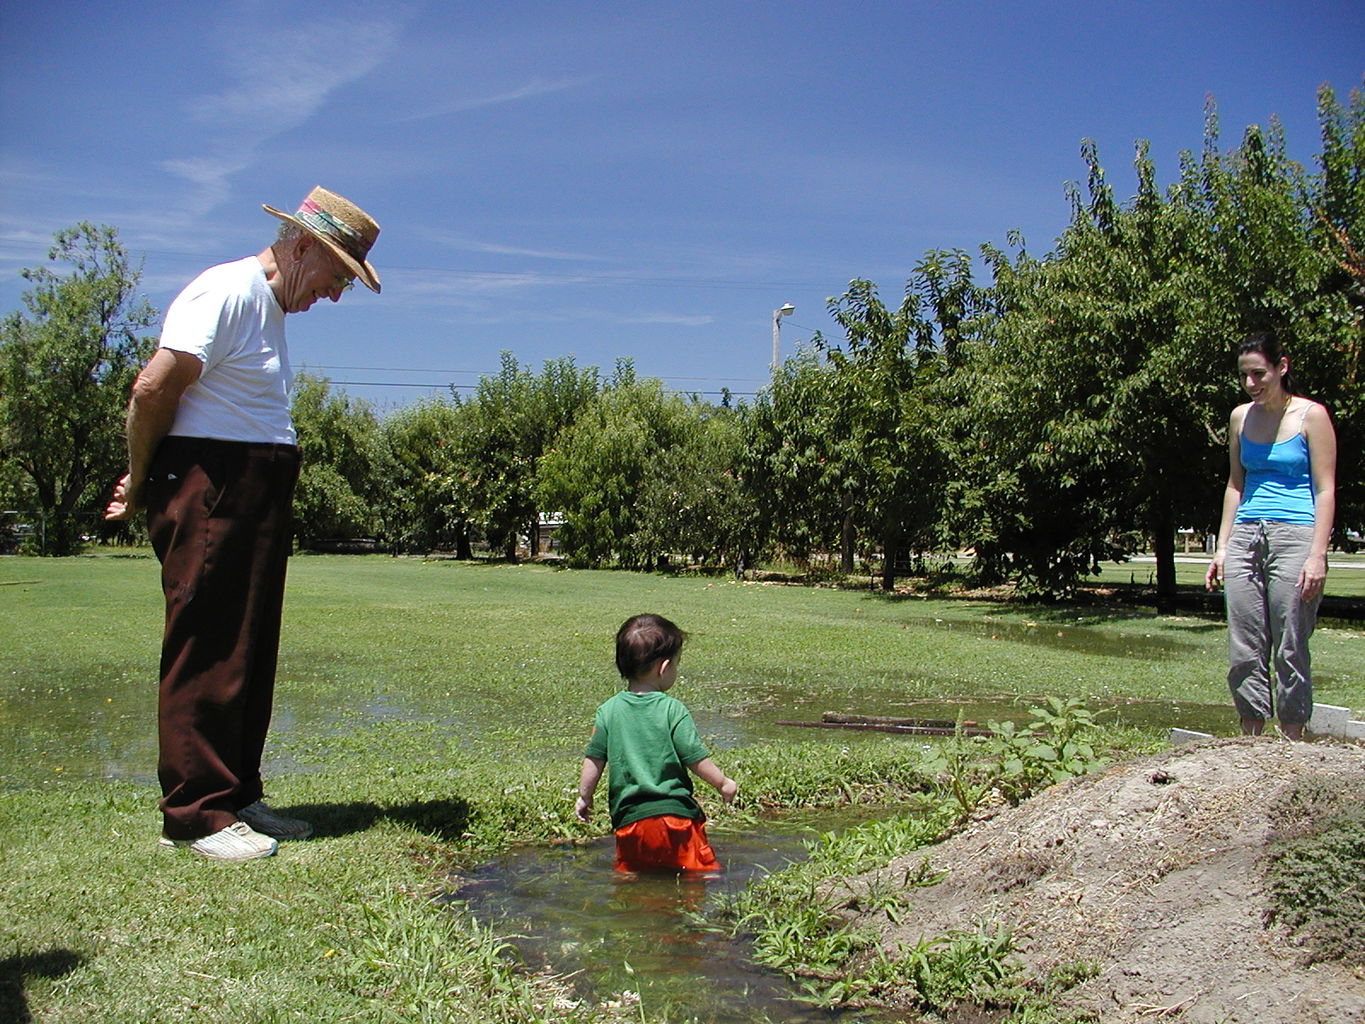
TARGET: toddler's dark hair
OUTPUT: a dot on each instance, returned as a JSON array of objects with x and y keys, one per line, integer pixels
[{"x": 644, "y": 639}]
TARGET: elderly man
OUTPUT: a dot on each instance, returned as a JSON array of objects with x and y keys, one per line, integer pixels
[{"x": 212, "y": 456}]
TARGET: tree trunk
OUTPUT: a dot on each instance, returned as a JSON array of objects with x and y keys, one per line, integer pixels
[
  {"x": 890, "y": 552},
  {"x": 1163, "y": 546},
  {"x": 846, "y": 537},
  {"x": 463, "y": 549}
]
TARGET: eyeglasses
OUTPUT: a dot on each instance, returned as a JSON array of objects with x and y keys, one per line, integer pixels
[{"x": 342, "y": 280}]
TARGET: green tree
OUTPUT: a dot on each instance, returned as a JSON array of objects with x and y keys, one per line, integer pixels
[
  {"x": 345, "y": 464},
  {"x": 1095, "y": 392},
  {"x": 848, "y": 447},
  {"x": 601, "y": 467},
  {"x": 790, "y": 467},
  {"x": 1098, "y": 410},
  {"x": 695, "y": 504},
  {"x": 428, "y": 504},
  {"x": 512, "y": 419},
  {"x": 887, "y": 497},
  {"x": 66, "y": 367},
  {"x": 1277, "y": 253},
  {"x": 1337, "y": 229},
  {"x": 892, "y": 443}
]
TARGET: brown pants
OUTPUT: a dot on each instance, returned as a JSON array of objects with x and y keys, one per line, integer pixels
[{"x": 218, "y": 513}]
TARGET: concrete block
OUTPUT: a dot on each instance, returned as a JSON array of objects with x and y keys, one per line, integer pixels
[
  {"x": 1179, "y": 736},
  {"x": 1355, "y": 730},
  {"x": 1329, "y": 720}
]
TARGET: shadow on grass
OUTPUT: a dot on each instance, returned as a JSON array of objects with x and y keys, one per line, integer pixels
[
  {"x": 447, "y": 820},
  {"x": 54, "y": 963}
]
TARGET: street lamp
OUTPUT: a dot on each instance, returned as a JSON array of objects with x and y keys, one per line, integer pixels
[{"x": 778, "y": 314}]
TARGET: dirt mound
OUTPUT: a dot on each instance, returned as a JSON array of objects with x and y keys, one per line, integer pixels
[{"x": 1153, "y": 872}]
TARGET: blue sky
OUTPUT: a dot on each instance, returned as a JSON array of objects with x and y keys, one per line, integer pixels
[{"x": 646, "y": 180}]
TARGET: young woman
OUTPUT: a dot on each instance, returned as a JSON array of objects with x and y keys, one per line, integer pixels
[{"x": 1272, "y": 541}]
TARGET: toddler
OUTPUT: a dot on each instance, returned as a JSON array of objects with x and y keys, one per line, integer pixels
[{"x": 650, "y": 741}]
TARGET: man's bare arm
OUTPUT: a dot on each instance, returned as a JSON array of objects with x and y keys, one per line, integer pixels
[{"x": 151, "y": 414}]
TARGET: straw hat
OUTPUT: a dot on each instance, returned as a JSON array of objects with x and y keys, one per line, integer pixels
[{"x": 343, "y": 227}]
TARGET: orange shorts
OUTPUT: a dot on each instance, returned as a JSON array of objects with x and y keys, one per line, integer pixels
[{"x": 664, "y": 843}]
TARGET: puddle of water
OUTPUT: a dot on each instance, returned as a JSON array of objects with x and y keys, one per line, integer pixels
[
  {"x": 570, "y": 912},
  {"x": 1063, "y": 634}
]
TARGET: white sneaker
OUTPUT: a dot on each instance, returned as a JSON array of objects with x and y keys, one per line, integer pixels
[
  {"x": 267, "y": 822},
  {"x": 236, "y": 842}
]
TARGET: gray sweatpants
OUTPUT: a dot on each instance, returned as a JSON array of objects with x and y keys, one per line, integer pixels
[{"x": 1268, "y": 622}]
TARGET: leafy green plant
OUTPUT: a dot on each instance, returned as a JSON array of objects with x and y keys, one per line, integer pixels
[
  {"x": 963, "y": 967},
  {"x": 960, "y": 778},
  {"x": 1052, "y": 748},
  {"x": 1016, "y": 761}
]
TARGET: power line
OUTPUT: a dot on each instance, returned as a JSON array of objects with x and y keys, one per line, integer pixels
[
  {"x": 490, "y": 373},
  {"x": 474, "y": 387}
]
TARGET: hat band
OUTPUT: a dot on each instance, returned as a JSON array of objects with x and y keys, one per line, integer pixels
[{"x": 324, "y": 223}]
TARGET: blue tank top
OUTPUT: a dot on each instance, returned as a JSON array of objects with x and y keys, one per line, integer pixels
[{"x": 1279, "y": 483}]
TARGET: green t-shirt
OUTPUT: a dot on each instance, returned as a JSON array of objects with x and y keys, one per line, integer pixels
[{"x": 647, "y": 740}]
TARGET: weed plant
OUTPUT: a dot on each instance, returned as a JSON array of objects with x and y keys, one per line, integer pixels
[
  {"x": 1015, "y": 762},
  {"x": 1317, "y": 870}
]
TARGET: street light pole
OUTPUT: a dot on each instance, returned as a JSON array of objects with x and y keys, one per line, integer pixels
[{"x": 778, "y": 314}]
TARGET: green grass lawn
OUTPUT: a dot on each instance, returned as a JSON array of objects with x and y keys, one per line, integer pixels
[
  {"x": 1345, "y": 576},
  {"x": 432, "y": 712}
]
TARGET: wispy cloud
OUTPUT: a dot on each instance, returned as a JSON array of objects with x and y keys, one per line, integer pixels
[
  {"x": 276, "y": 82},
  {"x": 665, "y": 319},
  {"x": 468, "y": 287},
  {"x": 533, "y": 89},
  {"x": 464, "y": 243}
]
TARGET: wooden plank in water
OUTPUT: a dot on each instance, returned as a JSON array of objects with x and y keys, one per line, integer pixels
[
  {"x": 921, "y": 730},
  {"x": 927, "y": 723}
]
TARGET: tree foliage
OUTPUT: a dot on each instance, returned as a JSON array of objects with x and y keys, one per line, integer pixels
[
  {"x": 1100, "y": 403},
  {"x": 344, "y": 464},
  {"x": 429, "y": 504},
  {"x": 67, "y": 363},
  {"x": 604, "y": 464},
  {"x": 696, "y": 505},
  {"x": 788, "y": 467},
  {"x": 512, "y": 419}
]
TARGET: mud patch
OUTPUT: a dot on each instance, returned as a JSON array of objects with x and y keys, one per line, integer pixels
[{"x": 1153, "y": 873}]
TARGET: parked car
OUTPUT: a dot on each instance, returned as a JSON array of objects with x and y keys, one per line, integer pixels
[{"x": 13, "y": 535}]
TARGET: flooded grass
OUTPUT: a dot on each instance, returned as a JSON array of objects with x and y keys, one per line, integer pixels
[
  {"x": 436, "y": 711},
  {"x": 498, "y": 654}
]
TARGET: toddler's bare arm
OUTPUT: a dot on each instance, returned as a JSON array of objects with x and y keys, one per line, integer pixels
[
  {"x": 587, "y": 785},
  {"x": 706, "y": 770}
]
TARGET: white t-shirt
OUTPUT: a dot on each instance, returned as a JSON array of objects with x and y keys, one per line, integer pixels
[{"x": 230, "y": 320}]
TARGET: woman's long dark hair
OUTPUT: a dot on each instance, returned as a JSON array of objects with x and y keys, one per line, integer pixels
[{"x": 1267, "y": 344}]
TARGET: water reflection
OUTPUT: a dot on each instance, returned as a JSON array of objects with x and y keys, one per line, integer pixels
[
  {"x": 1064, "y": 633},
  {"x": 573, "y": 914},
  {"x": 109, "y": 730}
]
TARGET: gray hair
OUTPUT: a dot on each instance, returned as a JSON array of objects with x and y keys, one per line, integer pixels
[{"x": 290, "y": 232}]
